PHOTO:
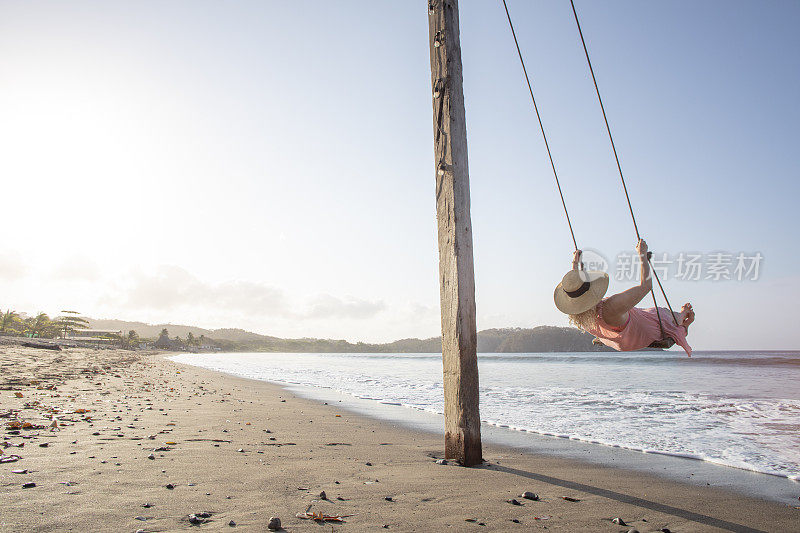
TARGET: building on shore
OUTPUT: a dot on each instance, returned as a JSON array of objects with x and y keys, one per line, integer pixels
[{"x": 95, "y": 335}]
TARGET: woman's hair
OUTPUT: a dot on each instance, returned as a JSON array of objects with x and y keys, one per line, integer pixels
[{"x": 586, "y": 320}]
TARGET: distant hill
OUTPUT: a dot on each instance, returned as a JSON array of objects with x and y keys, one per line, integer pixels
[{"x": 505, "y": 340}]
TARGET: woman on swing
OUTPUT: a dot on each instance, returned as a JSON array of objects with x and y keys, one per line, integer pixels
[{"x": 615, "y": 320}]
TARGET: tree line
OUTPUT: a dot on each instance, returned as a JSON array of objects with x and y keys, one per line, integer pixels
[
  {"x": 41, "y": 325},
  {"x": 505, "y": 340},
  {"x": 191, "y": 341}
]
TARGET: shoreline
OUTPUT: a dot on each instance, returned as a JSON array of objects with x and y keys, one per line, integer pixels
[
  {"x": 687, "y": 469},
  {"x": 246, "y": 450},
  {"x": 708, "y": 463}
]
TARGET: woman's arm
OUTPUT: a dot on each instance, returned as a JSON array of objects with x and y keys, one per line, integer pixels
[
  {"x": 576, "y": 260},
  {"x": 616, "y": 307}
]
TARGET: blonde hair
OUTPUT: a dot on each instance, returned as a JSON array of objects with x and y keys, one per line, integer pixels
[{"x": 585, "y": 321}]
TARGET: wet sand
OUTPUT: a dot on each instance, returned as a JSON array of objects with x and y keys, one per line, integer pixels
[{"x": 245, "y": 451}]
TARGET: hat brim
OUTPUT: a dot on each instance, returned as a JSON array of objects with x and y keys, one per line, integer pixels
[{"x": 598, "y": 285}]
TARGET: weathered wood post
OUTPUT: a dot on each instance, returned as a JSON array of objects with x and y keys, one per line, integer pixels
[{"x": 462, "y": 439}]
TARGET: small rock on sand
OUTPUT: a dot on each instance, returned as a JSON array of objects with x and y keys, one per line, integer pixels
[
  {"x": 169, "y": 486},
  {"x": 151, "y": 457},
  {"x": 389, "y": 499},
  {"x": 619, "y": 521},
  {"x": 441, "y": 461},
  {"x": 29, "y": 485},
  {"x": 528, "y": 495},
  {"x": 323, "y": 496},
  {"x": 232, "y": 523},
  {"x": 633, "y": 531},
  {"x": 274, "y": 523},
  {"x": 513, "y": 501}
]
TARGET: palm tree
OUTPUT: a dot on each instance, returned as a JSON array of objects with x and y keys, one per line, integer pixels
[
  {"x": 8, "y": 320},
  {"x": 131, "y": 341},
  {"x": 70, "y": 321},
  {"x": 40, "y": 326}
]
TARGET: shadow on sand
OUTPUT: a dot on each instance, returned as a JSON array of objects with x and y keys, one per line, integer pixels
[{"x": 625, "y": 498}]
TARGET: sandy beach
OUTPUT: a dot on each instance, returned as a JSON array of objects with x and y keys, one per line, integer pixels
[{"x": 130, "y": 441}]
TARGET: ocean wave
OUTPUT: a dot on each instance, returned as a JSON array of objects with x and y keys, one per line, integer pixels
[
  {"x": 651, "y": 410},
  {"x": 777, "y": 358}
]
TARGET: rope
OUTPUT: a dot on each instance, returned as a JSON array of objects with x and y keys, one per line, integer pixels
[
  {"x": 605, "y": 118},
  {"x": 541, "y": 126},
  {"x": 613, "y": 147},
  {"x": 619, "y": 168}
]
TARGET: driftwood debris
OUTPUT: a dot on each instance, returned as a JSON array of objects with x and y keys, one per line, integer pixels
[{"x": 42, "y": 346}]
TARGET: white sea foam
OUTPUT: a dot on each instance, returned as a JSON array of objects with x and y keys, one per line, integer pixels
[{"x": 738, "y": 410}]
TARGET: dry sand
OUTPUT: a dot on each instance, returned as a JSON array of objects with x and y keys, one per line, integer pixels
[{"x": 245, "y": 451}]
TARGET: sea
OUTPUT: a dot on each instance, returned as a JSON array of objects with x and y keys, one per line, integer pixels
[{"x": 736, "y": 409}]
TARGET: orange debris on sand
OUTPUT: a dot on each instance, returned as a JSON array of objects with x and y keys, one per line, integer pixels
[{"x": 322, "y": 517}]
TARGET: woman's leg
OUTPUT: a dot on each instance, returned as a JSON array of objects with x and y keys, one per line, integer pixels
[{"x": 686, "y": 316}]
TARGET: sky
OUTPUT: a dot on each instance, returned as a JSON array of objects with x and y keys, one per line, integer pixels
[{"x": 269, "y": 165}]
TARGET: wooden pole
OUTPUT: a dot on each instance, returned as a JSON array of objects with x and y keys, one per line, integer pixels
[{"x": 462, "y": 439}]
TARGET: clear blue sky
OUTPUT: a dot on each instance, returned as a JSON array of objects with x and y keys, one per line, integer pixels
[{"x": 269, "y": 165}]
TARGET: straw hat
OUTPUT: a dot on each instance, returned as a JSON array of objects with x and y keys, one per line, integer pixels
[{"x": 579, "y": 291}]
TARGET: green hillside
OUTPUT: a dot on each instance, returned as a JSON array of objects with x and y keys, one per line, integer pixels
[{"x": 506, "y": 340}]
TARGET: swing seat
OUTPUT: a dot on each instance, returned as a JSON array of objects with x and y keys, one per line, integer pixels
[{"x": 663, "y": 344}]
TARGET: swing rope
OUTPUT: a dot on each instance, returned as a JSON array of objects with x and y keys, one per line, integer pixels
[
  {"x": 605, "y": 119},
  {"x": 613, "y": 147},
  {"x": 621, "y": 177},
  {"x": 541, "y": 126}
]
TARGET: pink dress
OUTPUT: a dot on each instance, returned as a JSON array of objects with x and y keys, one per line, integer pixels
[{"x": 640, "y": 330}]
